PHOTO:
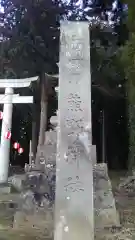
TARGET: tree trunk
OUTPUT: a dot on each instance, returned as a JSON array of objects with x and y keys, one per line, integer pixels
[
  {"x": 35, "y": 128},
  {"x": 43, "y": 118},
  {"x": 131, "y": 126},
  {"x": 36, "y": 117},
  {"x": 43, "y": 114}
]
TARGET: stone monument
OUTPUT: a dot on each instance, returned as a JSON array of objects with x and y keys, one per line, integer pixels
[
  {"x": 76, "y": 163},
  {"x": 51, "y": 143},
  {"x": 74, "y": 172},
  {"x": 49, "y": 148},
  {"x": 10, "y": 98}
]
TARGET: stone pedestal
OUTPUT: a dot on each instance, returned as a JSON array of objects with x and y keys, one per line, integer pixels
[{"x": 104, "y": 203}]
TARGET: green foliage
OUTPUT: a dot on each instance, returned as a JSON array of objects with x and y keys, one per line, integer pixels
[
  {"x": 128, "y": 58},
  {"x": 32, "y": 28},
  {"x": 30, "y": 32}
]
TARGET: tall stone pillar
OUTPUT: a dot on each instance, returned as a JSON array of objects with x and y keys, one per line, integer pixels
[{"x": 74, "y": 170}]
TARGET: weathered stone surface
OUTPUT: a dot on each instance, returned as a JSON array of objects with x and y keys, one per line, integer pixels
[
  {"x": 27, "y": 202},
  {"x": 35, "y": 211},
  {"x": 51, "y": 137},
  {"x": 47, "y": 152},
  {"x": 74, "y": 175},
  {"x": 31, "y": 201},
  {"x": 50, "y": 154},
  {"x": 50, "y": 147},
  {"x": 40, "y": 222},
  {"x": 8, "y": 207},
  {"x": 37, "y": 182},
  {"x": 17, "y": 181},
  {"x": 52, "y": 182},
  {"x": 94, "y": 154},
  {"x": 34, "y": 167},
  {"x": 5, "y": 188},
  {"x": 104, "y": 202},
  {"x": 32, "y": 204}
]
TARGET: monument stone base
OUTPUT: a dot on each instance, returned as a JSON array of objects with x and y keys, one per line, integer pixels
[{"x": 105, "y": 211}]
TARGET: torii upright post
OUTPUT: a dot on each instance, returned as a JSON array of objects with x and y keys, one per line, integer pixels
[{"x": 9, "y": 85}]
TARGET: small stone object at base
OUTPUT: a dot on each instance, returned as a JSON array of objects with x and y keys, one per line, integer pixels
[{"x": 34, "y": 167}]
